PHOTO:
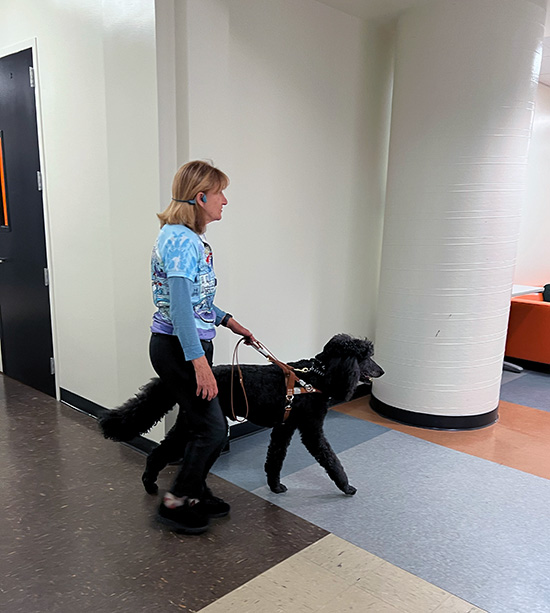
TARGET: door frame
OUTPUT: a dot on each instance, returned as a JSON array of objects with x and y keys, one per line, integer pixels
[{"x": 32, "y": 43}]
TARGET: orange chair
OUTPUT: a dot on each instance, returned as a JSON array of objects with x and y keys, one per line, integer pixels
[{"x": 529, "y": 329}]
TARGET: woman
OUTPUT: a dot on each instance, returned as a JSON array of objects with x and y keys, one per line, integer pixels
[{"x": 184, "y": 287}]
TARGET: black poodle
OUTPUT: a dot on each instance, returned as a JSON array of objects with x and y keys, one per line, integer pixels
[{"x": 335, "y": 373}]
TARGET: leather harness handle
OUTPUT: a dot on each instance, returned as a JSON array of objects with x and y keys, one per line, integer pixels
[
  {"x": 233, "y": 362},
  {"x": 290, "y": 379}
]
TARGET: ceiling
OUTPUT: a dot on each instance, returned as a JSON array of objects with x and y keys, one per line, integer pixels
[
  {"x": 372, "y": 9},
  {"x": 388, "y": 9}
]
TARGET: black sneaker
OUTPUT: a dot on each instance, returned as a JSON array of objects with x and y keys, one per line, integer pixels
[
  {"x": 187, "y": 519},
  {"x": 212, "y": 506}
]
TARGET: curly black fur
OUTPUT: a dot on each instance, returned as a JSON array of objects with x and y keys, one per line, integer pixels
[
  {"x": 336, "y": 371},
  {"x": 138, "y": 414}
]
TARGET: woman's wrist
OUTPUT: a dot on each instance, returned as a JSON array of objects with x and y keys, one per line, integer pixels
[
  {"x": 225, "y": 320},
  {"x": 198, "y": 362}
]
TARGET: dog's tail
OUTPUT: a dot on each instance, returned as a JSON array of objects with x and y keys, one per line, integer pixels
[{"x": 138, "y": 414}]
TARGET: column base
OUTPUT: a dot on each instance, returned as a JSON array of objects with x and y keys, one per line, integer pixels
[{"x": 434, "y": 422}]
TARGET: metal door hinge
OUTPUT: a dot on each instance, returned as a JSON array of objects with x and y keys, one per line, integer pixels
[
  {"x": 46, "y": 277},
  {"x": 31, "y": 76},
  {"x": 39, "y": 180},
  {"x": 52, "y": 366}
]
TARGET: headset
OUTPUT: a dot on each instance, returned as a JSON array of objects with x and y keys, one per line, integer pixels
[{"x": 192, "y": 201}]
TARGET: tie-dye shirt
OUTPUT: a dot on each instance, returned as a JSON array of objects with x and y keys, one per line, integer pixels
[{"x": 180, "y": 252}]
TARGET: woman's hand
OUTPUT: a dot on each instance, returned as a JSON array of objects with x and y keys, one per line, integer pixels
[
  {"x": 236, "y": 328},
  {"x": 207, "y": 387}
]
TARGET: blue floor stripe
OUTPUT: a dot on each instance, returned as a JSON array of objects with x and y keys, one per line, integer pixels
[
  {"x": 244, "y": 465},
  {"x": 531, "y": 389},
  {"x": 472, "y": 527}
]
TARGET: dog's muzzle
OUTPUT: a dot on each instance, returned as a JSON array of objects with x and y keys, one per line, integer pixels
[{"x": 370, "y": 370}]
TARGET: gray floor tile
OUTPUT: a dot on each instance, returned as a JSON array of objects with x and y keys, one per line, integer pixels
[
  {"x": 531, "y": 389},
  {"x": 469, "y": 526},
  {"x": 244, "y": 465}
]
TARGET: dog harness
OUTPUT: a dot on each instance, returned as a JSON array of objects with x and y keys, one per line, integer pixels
[{"x": 293, "y": 383}]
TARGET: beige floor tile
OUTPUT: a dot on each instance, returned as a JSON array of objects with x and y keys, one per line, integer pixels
[
  {"x": 243, "y": 600},
  {"x": 335, "y": 576},
  {"x": 345, "y": 560},
  {"x": 355, "y": 600},
  {"x": 402, "y": 589},
  {"x": 299, "y": 585},
  {"x": 456, "y": 605}
]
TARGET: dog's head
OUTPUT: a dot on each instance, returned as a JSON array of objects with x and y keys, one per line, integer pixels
[{"x": 347, "y": 361}]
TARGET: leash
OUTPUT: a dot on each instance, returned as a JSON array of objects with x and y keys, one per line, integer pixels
[{"x": 294, "y": 384}]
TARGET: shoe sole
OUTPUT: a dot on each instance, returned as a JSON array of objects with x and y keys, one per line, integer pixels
[
  {"x": 218, "y": 515},
  {"x": 180, "y": 528}
]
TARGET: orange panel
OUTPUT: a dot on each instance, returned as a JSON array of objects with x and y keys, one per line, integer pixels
[
  {"x": 4, "y": 219},
  {"x": 529, "y": 329}
]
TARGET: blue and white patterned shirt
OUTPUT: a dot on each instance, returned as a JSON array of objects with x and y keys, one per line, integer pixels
[{"x": 180, "y": 252}]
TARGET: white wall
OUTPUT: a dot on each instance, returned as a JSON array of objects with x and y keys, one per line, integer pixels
[
  {"x": 292, "y": 101},
  {"x": 533, "y": 260},
  {"x": 97, "y": 79}
]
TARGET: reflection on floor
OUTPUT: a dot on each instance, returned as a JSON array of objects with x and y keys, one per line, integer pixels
[{"x": 442, "y": 521}]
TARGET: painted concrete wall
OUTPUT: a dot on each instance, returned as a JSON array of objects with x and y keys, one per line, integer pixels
[
  {"x": 292, "y": 101},
  {"x": 533, "y": 261},
  {"x": 97, "y": 80}
]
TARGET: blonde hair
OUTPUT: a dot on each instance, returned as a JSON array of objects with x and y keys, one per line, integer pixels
[{"x": 189, "y": 180}]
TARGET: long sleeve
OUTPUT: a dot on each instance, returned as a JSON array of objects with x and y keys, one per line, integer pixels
[
  {"x": 219, "y": 314},
  {"x": 183, "y": 318}
]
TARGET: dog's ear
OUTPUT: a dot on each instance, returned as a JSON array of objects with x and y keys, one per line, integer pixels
[{"x": 341, "y": 379}]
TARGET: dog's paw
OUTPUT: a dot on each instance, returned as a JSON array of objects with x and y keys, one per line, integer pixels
[
  {"x": 278, "y": 489},
  {"x": 349, "y": 490}
]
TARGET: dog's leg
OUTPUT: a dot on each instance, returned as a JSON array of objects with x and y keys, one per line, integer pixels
[
  {"x": 281, "y": 436},
  {"x": 169, "y": 450},
  {"x": 316, "y": 443}
]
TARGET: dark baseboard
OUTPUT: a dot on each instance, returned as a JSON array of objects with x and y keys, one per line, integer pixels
[
  {"x": 363, "y": 389},
  {"x": 243, "y": 429},
  {"x": 141, "y": 443},
  {"x": 82, "y": 404},
  {"x": 434, "y": 422},
  {"x": 528, "y": 365}
]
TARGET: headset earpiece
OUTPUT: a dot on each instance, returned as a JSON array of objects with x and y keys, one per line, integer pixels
[{"x": 192, "y": 201}]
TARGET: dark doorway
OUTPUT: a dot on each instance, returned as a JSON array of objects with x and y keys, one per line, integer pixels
[{"x": 25, "y": 316}]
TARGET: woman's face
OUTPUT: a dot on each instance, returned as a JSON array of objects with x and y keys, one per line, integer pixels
[{"x": 212, "y": 208}]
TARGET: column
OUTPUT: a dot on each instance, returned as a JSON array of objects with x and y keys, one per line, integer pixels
[{"x": 465, "y": 80}]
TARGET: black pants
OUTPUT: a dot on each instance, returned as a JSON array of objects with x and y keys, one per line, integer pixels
[{"x": 202, "y": 421}]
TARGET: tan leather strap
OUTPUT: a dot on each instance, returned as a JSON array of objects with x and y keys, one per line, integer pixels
[
  {"x": 291, "y": 379},
  {"x": 234, "y": 361}
]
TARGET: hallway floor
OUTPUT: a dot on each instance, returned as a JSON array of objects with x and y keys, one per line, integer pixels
[{"x": 443, "y": 522}]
